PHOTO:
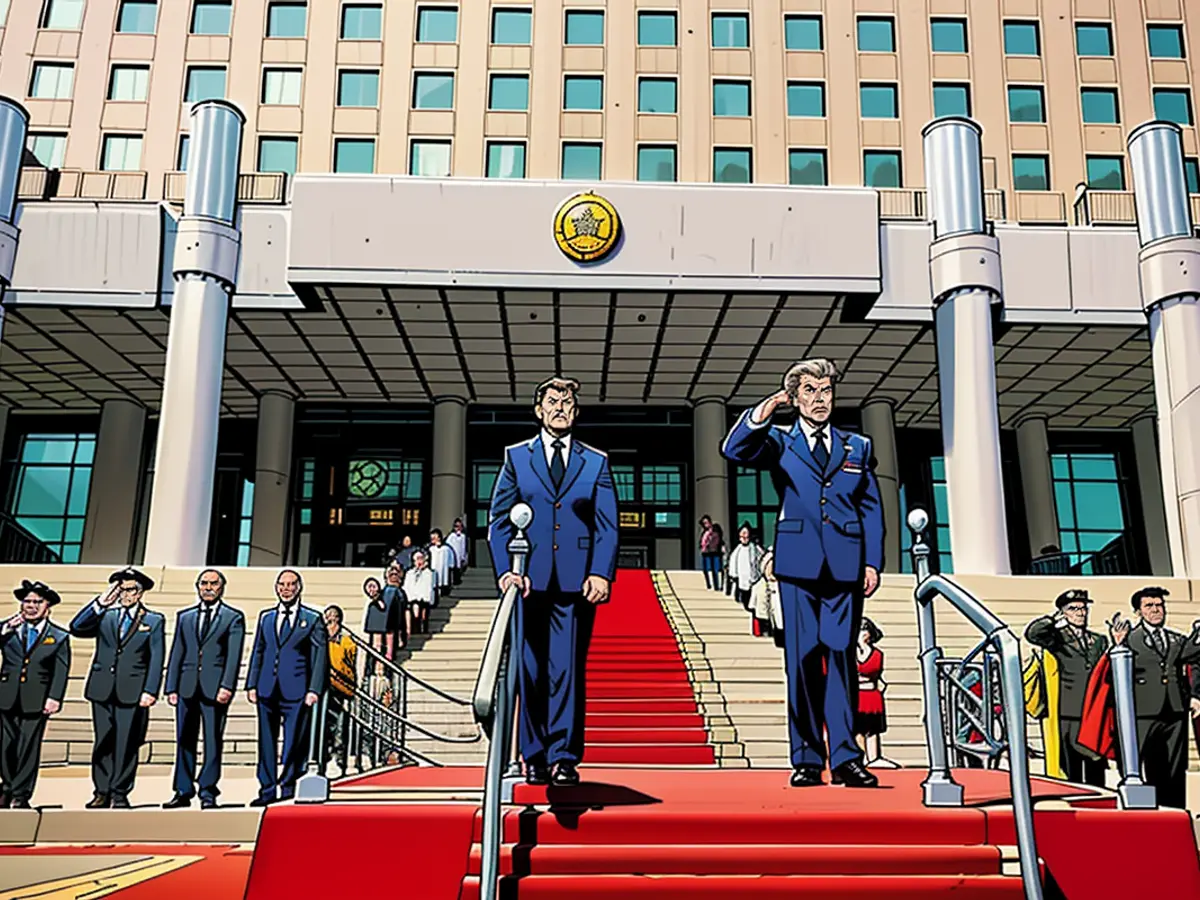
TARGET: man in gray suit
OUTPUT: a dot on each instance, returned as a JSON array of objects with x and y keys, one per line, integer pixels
[
  {"x": 202, "y": 675},
  {"x": 1066, "y": 637},
  {"x": 35, "y": 659},
  {"x": 123, "y": 683},
  {"x": 1160, "y": 695}
]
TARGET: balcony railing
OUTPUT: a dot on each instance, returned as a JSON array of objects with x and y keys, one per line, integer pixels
[
  {"x": 911, "y": 204},
  {"x": 1094, "y": 207},
  {"x": 253, "y": 187},
  {"x": 78, "y": 184}
]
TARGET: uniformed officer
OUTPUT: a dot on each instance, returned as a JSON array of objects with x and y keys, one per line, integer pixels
[
  {"x": 35, "y": 659},
  {"x": 1077, "y": 651},
  {"x": 1160, "y": 696},
  {"x": 123, "y": 683}
]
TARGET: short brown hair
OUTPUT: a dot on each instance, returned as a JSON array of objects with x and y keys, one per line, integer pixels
[{"x": 557, "y": 383}]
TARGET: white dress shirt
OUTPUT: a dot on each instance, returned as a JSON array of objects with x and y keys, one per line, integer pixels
[
  {"x": 420, "y": 585},
  {"x": 212, "y": 616},
  {"x": 547, "y": 446},
  {"x": 282, "y": 614}
]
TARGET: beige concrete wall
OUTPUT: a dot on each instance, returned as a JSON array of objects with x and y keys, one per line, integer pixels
[{"x": 87, "y": 116}]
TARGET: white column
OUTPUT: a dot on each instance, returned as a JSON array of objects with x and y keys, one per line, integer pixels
[
  {"x": 207, "y": 245},
  {"x": 1150, "y": 490},
  {"x": 272, "y": 478},
  {"x": 879, "y": 424},
  {"x": 116, "y": 477},
  {"x": 709, "y": 427},
  {"x": 1037, "y": 484},
  {"x": 14, "y": 125},
  {"x": 1170, "y": 281},
  {"x": 964, "y": 268},
  {"x": 447, "y": 487}
]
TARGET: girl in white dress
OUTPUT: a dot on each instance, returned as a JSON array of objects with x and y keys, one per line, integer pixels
[{"x": 441, "y": 560}]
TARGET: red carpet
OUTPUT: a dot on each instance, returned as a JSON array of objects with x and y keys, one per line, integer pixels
[{"x": 641, "y": 709}]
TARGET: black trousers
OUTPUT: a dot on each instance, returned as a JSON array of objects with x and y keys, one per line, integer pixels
[
  {"x": 119, "y": 732},
  {"x": 190, "y": 714},
  {"x": 20, "y": 752},
  {"x": 743, "y": 597},
  {"x": 1163, "y": 743},
  {"x": 1081, "y": 767}
]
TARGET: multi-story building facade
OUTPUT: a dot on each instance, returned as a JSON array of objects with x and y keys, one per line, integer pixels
[{"x": 378, "y": 319}]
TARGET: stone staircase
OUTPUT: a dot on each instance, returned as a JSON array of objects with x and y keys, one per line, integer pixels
[
  {"x": 446, "y": 658},
  {"x": 740, "y": 683}
]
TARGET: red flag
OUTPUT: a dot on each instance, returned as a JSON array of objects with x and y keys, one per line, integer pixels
[{"x": 1098, "y": 730}]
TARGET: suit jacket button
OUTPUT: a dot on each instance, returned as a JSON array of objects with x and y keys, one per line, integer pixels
[
  {"x": 557, "y": 526},
  {"x": 1166, "y": 680},
  {"x": 558, "y": 506},
  {"x": 829, "y": 484},
  {"x": 823, "y": 501},
  {"x": 556, "y": 546}
]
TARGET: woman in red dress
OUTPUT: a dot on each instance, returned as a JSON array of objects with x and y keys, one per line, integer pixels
[{"x": 870, "y": 720}]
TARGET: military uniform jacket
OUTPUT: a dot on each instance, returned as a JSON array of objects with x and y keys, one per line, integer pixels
[
  {"x": 205, "y": 666},
  {"x": 1076, "y": 657},
  {"x": 1158, "y": 679},
  {"x": 122, "y": 670},
  {"x": 28, "y": 680}
]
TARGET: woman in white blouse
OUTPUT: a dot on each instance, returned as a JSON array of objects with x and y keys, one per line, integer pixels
[
  {"x": 421, "y": 585},
  {"x": 441, "y": 560}
]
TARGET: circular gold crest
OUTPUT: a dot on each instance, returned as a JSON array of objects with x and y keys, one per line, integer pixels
[{"x": 586, "y": 227}]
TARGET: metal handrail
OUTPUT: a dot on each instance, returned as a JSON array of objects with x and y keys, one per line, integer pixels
[
  {"x": 396, "y": 669},
  {"x": 940, "y": 789},
  {"x": 493, "y": 705},
  {"x": 1132, "y": 792}
]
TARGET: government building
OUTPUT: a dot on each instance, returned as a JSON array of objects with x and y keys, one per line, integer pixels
[{"x": 281, "y": 277}]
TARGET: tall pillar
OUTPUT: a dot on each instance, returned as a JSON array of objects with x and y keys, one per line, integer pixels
[
  {"x": 207, "y": 245},
  {"x": 879, "y": 424},
  {"x": 112, "y": 508},
  {"x": 709, "y": 427},
  {"x": 964, "y": 269},
  {"x": 14, "y": 125},
  {"x": 1150, "y": 491},
  {"x": 1037, "y": 484},
  {"x": 1170, "y": 279},
  {"x": 272, "y": 478},
  {"x": 448, "y": 481}
]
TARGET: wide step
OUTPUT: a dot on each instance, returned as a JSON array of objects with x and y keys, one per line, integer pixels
[
  {"x": 762, "y": 859},
  {"x": 727, "y": 887}
]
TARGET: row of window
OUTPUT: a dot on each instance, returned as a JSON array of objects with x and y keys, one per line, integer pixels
[
  {"x": 655, "y": 28},
  {"x": 510, "y": 92}
]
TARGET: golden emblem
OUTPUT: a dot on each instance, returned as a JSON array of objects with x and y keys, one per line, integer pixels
[{"x": 586, "y": 228}]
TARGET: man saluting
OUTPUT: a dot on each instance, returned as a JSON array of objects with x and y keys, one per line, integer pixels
[
  {"x": 828, "y": 552},
  {"x": 35, "y": 660},
  {"x": 126, "y": 673},
  {"x": 572, "y": 560}
]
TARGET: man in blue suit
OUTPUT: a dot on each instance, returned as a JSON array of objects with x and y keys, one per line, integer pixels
[
  {"x": 202, "y": 671},
  {"x": 289, "y": 669},
  {"x": 572, "y": 560},
  {"x": 828, "y": 553}
]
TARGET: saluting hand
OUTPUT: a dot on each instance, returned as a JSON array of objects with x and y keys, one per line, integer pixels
[
  {"x": 1119, "y": 629},
  {"x": 110, "y": 596},
  {"x": 767, "y": 407},
  {"x": 12, "y": 624}
]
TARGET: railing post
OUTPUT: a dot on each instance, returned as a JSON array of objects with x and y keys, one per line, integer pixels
[
  {"x": 312, "y": 786},
  {"x": 1013, "y": 686},
  {"x": 939, "y": 787},
  {"x": 1132, "y": 793}
]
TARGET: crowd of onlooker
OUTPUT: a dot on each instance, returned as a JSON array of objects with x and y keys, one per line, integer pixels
[{"x": 745, "y": 571}]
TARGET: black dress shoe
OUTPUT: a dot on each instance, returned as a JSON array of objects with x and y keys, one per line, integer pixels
[
  {"x": 537, "y": 774},
  {"x": 806, "y": 776},
  {"x": 100, "y": 801},
  {"x": 262, "y": 801},
  {"x": 566, "y": 775},
  {"x": 853, "y": 774},
  {"x": 208, "y": 803},
  {"x": 120, "y": 803},
  {"x": 19, "y": 804},
  {"x": 178, "y": 802}
]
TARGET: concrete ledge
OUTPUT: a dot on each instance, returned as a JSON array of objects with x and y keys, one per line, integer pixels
[{"x": 132, "y": 826}]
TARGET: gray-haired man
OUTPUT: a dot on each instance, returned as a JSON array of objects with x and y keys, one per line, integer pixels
[{"x": 828, "y": 553}]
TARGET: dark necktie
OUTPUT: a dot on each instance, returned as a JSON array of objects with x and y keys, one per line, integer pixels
[
  {"x": 1160, "y": 642},
  {"x": 820, "y": 454},
  {"x": 31, "y": 637},
  {"x": 285, "y": 629},
  {"x": 205, "y": 622},
  {"x": 558, "y": 467},
  {"x": 126, "y": 624}
]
